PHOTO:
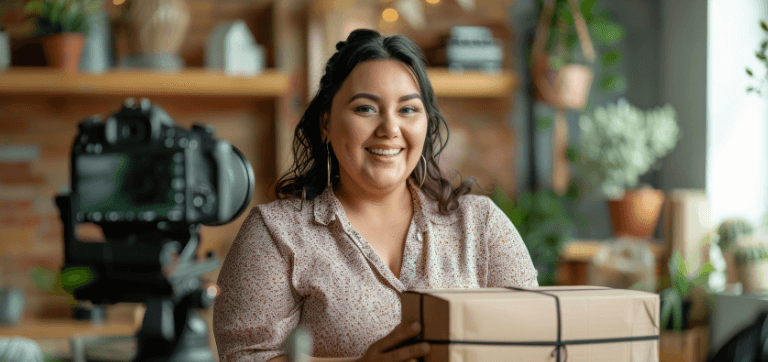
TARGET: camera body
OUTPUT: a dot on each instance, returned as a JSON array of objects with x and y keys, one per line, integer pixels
[{"x": 139, "y": 167}]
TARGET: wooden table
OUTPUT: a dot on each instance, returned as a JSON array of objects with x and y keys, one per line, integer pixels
[
  {"x": 69, "y": 338},
  {"x": 577, "y": 254}
]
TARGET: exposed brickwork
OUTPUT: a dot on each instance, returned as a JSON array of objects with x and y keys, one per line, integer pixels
[{"x": 30, "y": 226}]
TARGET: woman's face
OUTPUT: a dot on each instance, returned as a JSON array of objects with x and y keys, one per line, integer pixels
[{"x": 377, "y": 126}]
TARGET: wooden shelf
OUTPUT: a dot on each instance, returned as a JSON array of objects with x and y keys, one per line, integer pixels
[
  {"x": 66, "y": 328},
  {"x": 585, "y": 250},
  {"x": 188, "y": 82},
  {"x": 204, "y": 82},
  {"x": 472, "y": 83}
]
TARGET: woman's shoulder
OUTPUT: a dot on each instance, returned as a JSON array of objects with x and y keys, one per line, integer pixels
[
  {"x": 471, "y": 208},
  {"x": 290, "y": 211}
]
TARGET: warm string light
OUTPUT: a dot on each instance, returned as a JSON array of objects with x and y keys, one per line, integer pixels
[
  {"x": 389, "y": 15},
  {"x": 433, "y": 1},
  {"x": 118, "y": 2}
]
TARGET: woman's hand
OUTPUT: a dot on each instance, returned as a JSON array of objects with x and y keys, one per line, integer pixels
[{"x": 383, "y": 350}]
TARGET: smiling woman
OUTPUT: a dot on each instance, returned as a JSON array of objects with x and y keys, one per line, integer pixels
[{"x": 364, "y": 214}]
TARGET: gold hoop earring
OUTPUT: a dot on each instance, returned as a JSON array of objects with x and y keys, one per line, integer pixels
[
  {"x": 424, "y": 175},
  {"x": 328, "y": 151}
]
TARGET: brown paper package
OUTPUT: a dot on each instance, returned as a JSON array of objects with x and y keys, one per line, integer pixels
[{"x": 501, "y": 324}]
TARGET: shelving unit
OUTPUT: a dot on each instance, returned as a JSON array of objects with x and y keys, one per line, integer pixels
[
  {"x": 192, "y": 82},
  {"x": 204, "y": 82},
  {"x": 471, "y": 84}
]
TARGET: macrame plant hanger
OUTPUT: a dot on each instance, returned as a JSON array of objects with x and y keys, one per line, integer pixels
[{"x": 564, "y": 89}]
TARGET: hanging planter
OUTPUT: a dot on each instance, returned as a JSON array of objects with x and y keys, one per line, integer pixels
[{"x": 567, "y": 87}]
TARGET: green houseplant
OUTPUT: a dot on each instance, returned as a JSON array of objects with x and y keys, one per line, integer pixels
[
  {"x": 676, "y": 291},
  {"x": 545, "y": 221},
  {"x": 563, "y": 41},
  {"x": 62, "y": 24},
  {"x": 618, "y": 144},
  {"x": 762, "y": 57}
]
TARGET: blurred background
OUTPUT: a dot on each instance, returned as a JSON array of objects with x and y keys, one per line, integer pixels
[{"x": 625, "y": 139}]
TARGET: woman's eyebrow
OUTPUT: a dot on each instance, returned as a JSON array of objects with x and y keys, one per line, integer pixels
[{"x": 378, "y": 99}]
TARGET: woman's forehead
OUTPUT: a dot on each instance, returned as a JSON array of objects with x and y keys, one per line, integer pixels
[{"x": 382, "y": 76}]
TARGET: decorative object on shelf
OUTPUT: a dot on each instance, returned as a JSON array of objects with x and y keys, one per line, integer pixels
[
  {"x": 687, "y": 221},
  {"x": 762, "y": 57},
  {"x": 546, "y": 222},
  {"x": 157, "y": 29},
  {"x": 62, "y": 25},
  {"x": 233, "y": 49},
  {"x": 5, "y": 50},
  {"x": 97, "y": 51},
  {"x": 11, "y": 305},
  {"x": 624, "y": 264},
  {"x": 751, "y": 257},
  {"x": 473, "y": 47},
  {"x": 676, "y": 292},
  {"x": 618, "y": 144}
]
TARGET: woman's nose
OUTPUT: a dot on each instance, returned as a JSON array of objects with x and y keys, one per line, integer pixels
[{"x": 389, "y": 125}]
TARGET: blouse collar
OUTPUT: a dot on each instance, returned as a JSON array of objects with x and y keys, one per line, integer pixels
[{"x": 327, "y": 208}]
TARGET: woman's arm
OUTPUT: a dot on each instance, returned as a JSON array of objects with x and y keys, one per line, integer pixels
[
  {"x": 509, "y": 263},
  {"x": 315, "y": 359},
  {"x": 258, "y": 306}
]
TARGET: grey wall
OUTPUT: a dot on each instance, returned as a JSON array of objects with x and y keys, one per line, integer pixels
[{"x": 684, "y": 84}]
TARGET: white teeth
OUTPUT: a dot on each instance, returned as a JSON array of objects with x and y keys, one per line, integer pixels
[{"x": 384, "y": 152}]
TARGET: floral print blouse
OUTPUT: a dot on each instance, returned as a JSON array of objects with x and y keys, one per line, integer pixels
[{"x": 297, "y": 262}]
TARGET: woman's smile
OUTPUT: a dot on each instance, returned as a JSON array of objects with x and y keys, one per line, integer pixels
[{"x": 392, "y": 152}]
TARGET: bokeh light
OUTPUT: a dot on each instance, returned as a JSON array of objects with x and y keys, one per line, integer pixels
[{"x": 389, "y": 14}]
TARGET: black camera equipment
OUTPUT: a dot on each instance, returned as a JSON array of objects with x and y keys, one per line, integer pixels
[
  {"x": 149, "y": 185},
  {"x": 748, "y": 345}
]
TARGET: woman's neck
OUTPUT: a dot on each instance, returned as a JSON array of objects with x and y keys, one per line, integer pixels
[{"x": 356, "y": 200}]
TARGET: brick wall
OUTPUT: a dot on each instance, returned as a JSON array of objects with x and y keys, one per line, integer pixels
[{"x": 36, "y": 135}]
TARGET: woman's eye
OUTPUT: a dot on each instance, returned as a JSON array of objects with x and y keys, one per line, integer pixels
[
  {"x": 409, "y": 110},
  {"x": 365, "y": 109}
]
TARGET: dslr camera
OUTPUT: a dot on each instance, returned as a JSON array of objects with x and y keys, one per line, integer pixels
[{"x": 150, "y": 185}]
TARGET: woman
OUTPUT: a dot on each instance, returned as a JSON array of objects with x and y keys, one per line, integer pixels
[{"x": 364, "y": 215}]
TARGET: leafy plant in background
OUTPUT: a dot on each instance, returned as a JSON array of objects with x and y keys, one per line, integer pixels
[
  {"x": 62, "y": 16},
  {"x": 731, "y": 230},
  {"x": 563, "y": 42},
  {"x": 762, "y": 81},
  {"x": 620, "y": 142},
  {"x": 545, "y": 221},
  {"x": 676, "y": 287},
  {"x": 62, "y": 282}
]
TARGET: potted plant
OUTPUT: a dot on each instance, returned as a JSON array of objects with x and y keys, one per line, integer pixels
[
  {"x": 62, "y": 24},
  {"x": 545, "y": 221},
  {"x": 675, "y": 292},
  {"x": 762, "y": 57},
  {"x": 618, "y": 144},
  {"x": 751, "y": 259},
  {"x": 729, "y": 232}
]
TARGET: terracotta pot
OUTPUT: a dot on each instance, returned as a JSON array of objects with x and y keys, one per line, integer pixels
[
  {"x": 566, "y": 88},
  {"x": 637, "y": 214},
  {"x": 63, "y": 50}
]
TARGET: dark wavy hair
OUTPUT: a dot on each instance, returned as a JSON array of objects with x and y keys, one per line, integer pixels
[{"x": 307, "y": 177}]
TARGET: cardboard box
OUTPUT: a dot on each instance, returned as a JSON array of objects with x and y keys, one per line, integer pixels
[{"x": 522, "y": 324}]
